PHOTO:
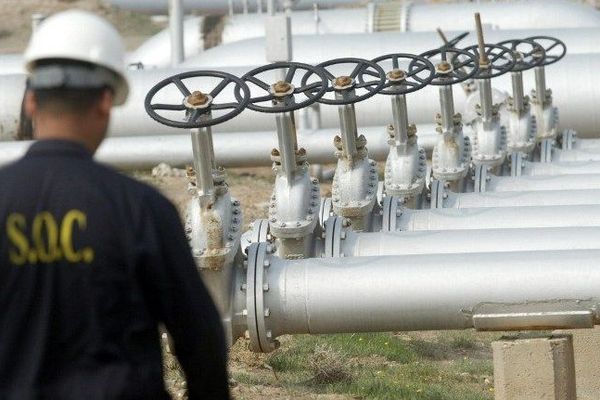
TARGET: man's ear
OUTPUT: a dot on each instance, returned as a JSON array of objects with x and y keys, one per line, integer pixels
[
  {"x": 30, "y": 104},
  {"x": 106, "y": 102}
]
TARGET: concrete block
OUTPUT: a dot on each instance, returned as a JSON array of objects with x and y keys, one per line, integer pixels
[
  {"x": 534, "y": 367},
  {"x": 586, "y": 347}
]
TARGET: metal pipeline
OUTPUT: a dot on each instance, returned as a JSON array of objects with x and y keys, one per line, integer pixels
[
  {"x": 313, "y": 49},
  {"x": 499, "y": 217},
  {"x": 485, "y": 291},
  {"x": 561, "y": 168},
  {"x": 407, "y": 16},
  {"x": 367, "y": 244},
  {"x": 542, "y": 183},
  {"x": 576, "y": 107},
  {"x": 522, "y": 198}
]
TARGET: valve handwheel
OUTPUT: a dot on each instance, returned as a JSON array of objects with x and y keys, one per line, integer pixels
[
  {"x": 464, "y": 65},
  {"x": 555, "y": 49},
  {"x": 284, "y": 89},
  {"x": 196, "y": 104},
  {"x": 527, "y": 53},
  {"x": 420, "y": 73},
  {"x": 342, "y": 83},
  {"x": 500, "y": 60}
]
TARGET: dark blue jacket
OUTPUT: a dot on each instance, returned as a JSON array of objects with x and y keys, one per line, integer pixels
[{"x": 91, "y": 262}]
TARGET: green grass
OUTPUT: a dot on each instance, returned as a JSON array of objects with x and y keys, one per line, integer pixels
[{"x": 383, "y": 366}]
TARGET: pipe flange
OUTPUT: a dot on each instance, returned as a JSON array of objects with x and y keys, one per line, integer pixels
[
  {"x": 392, "y": 209},
  {"x": 257, "y": 287},
  {"x": 259, "y": 232},
  {"x": 481, "y": 179},
  {"x": 569, "y": 137},
  {"x": 335, "y": 231},
  {"x": 516, "y": 164},
  {"x": 438, "y": 193},
  {"x": 325, "y": 211},
  {"x": 546, "y": 146}
]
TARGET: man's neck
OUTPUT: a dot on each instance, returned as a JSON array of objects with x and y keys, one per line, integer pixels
[{"x": 66, "y": 127}]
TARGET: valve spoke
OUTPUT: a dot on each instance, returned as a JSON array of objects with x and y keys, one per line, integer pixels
[
  {"x": 219, "y": 88},
  {"x": 170, "y": 107},
  {"x": 181, "y": 86}
]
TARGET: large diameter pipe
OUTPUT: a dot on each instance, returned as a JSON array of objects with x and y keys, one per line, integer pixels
[
  {"x": 576, "y": 155},
  {"x": 561, "y": 168},
  {"x": 313, "y": 49},
  {"x": 366, "y": 244},
  {"x": 421, "y": 17},
  {"x": 232, "y": 149},
  {"x": 523, "y": 198},
  {"x": 576, "y": 107},
  {"x": 212, "y": 6},
  {"x": 542, "y": 183},
  {"x": 487, "y": 291},
  {"x": 200, "y": 32},
  {"x": 498, "y": 218}
]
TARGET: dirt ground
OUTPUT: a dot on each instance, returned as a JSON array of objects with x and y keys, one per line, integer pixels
[{"x": 15, "y": 21}]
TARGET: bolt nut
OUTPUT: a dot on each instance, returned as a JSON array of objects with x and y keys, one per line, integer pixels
[
  {"x": 197, "y": 98},
  {"x": 343, "y": 81}
]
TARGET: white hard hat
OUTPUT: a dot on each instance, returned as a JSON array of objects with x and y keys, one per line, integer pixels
[{"x": 80, "y": 36}]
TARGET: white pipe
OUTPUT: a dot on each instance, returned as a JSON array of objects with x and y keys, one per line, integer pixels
[
  {"x": 212, "y": 6},
  {"x": 424, "y": 17},
  {"x": 365, "y": 244},
  {"x": 576, "y": 155},
  {"x": 542, "y": 183},
  {"x": 232, "y": 149},
  {"x": 11, "y": 64},
  {"x": 499, "y": 218},
  {"x": 430, "y": 292},
  {"x": 176, "y": 29},
  {"x": 561, "y": 168},
  {"x": 576, "y": 107},
  {"x": 313, "y": 49},
  {"x": 523, "y": 198}
]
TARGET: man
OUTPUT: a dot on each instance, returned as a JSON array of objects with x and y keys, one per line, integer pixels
[{"x": 90, "y": 260}]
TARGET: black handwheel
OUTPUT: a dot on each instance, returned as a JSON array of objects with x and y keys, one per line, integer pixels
[
  {"x": 462, "y": 65},
  {"x": 527, "y": 53},
  {"x": 284, "y": 89},
  {"x": 351, "y": 80},
  {"x": 417, "y": 74},
  {"x": 500, "y": 60},
  {"x": 554, "y": 48},
  {"x": 197, "y": 104}
]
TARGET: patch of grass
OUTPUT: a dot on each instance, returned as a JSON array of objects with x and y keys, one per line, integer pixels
[
  {"x": 329, "y": 366},
  {"x": 384, "y": 366}
]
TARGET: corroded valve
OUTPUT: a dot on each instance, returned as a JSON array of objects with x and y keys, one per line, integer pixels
[
  {"x": 282, "y": 88},
  {"x": 396, "y": 75},
  {"x": 443, "y": 67},
  {"x": 197, "y": 98},
  {"x": 343, "y": 81}
]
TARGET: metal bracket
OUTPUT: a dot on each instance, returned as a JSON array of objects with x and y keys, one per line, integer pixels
[
  {"x": 546, "y": 150},
  {"x": 516, "y": 164},
  {"x": 261, "y": 338},
  {"x": 438, "y": 189}
]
